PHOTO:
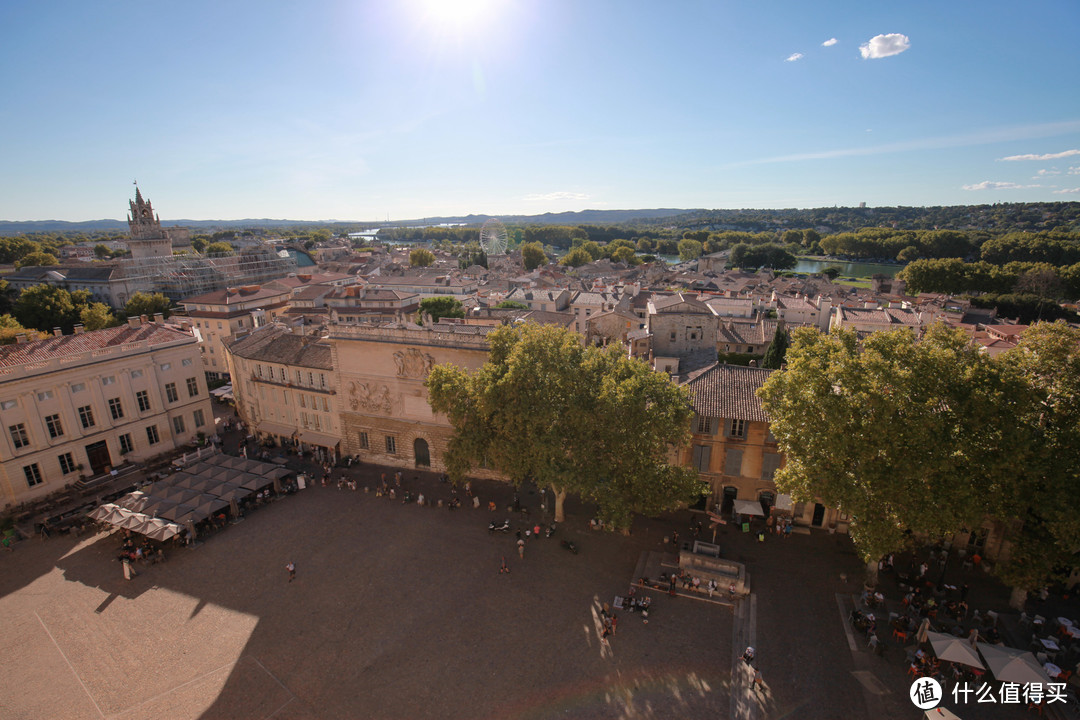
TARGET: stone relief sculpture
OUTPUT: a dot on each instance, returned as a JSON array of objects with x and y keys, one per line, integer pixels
[
  {"x": 413, "y": 363},
  {"x": 371, "y": 397}
]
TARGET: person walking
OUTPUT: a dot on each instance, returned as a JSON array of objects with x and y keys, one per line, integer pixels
[
  {"x": 291, "y": 567},
  {"x": 521, "y": 548},
  {"x": 712, "y": 588},
  {"x": 503, "y": 568}
]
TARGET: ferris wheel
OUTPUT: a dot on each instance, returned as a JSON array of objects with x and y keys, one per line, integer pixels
[{"x": 493, "y": 237}]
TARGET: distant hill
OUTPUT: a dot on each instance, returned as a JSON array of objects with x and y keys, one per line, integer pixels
[
  {"x": 586, "y": 217},
  {"x": 997, "y": 218}
]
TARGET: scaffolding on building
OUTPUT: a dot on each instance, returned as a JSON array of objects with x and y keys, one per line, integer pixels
[{"x": 181, "y": 276}]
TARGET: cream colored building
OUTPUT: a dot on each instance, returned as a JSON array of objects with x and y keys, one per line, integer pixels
[
  {"x": 359, "y": 391},
  {"x": 385, "y": 415},
  {"x": 222, "y": 315},
  {"x": 285, "y": 387},
  {"x": 79, "y": 405}
]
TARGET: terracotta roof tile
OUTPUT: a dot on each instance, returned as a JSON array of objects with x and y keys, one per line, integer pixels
[
  {"x": 57, "y": 347},
  {"x": 729, "y": 391}
]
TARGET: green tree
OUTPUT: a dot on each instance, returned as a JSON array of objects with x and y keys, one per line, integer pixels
[
  {"x": 512, "y": 305},
  {"x": 220, "y": 248},
  {"x": 1043, "y": 493},
  {"x": 10, "y": 328},
  {"x": 421, "y": 257},
  {"x": 594, "y": 250},
  {"x": 831, "y": 272},
  {"x": 199, "y": 244},
  {"x": 626, "y": 255},
  {"x": 908, "y": 254},
  {"x": 147, "y": 304},
  {"x": 440, "y": 307},
  {"x": 589, "y": 421},
  {"x": 910, "y": 438},
  {"x": 36, "y": 259},
  {"x": 576, "y": 258},
  {"x": 96, "y": 316},
  {"x": 102, "y": 251},
  {"x": 777, "y": 350},
  {"x": 689, "y": 249},
  {"x": 44, "y": 307},
  {"x": 7, "y": 296},
  {"x": 532, "y": 254}
]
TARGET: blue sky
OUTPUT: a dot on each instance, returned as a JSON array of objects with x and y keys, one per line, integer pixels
[{"x": 414, "y": 108}]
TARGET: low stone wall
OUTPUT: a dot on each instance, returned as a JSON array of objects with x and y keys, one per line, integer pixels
[{"x": 725, "y": 572}]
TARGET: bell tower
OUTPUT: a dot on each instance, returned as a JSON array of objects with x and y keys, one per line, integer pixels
[{"x": 148, "y": 238}]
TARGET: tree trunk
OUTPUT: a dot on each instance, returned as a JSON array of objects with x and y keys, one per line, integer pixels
[
  {"x": 560, "y": 498},
  {"x": 871, "y": 573},
  {"x": 1017, "y": 598}
]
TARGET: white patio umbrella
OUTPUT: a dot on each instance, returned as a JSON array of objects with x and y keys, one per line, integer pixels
[
  {"x": 1012, "y": 665},
  {"x": 923, "y": 631},
  {"x": 954, "y": 649},
  {"x": 101, "y": 511},
  {"x": 748, "y": 507}
]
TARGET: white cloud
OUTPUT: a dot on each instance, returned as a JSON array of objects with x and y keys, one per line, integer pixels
[
  {"x": 881, "y": 46},
  {"x": 1068, "y": 191},
  {"x": 1048, "y": 156},
  {"x": 1044, "y": 173},
  {"x": 548, "y": 197},
  {"x": 1074, "y": 170},
  {"x": 829, "y": 43},
  {"x": 992, "y": 185},
  {"x": 794, "y": 56}
]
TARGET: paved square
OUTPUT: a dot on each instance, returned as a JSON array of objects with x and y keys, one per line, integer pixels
[{"x": 397, "y": 612}]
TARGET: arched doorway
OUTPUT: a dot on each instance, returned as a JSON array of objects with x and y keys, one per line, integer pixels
[{"x": 421, "y": 453}]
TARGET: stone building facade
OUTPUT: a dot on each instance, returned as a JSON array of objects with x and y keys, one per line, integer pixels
[
  {"x": 285, "y": 387},
  {"x": 79, "y": 405},
  {"x": 734, "y": 451},
  {"x": 385, "y": 415}
]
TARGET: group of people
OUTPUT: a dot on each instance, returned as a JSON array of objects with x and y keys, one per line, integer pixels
[{"x": 132, "y": 552}]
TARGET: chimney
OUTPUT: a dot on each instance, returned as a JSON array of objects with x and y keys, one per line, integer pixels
[
  {"x": 20, "y": 338},
  {"x": 159, "y": 318},
  {"x": 144, "y": 319},
  {"x": 134, "y": 321},
  {"x": 57, "y": 332},
  {"x": 79, "y": 329}
]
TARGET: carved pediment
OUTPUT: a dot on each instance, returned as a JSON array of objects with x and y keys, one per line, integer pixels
[
  {"x": 413, "y": 363},
  {"x": 371, "y": 397}
]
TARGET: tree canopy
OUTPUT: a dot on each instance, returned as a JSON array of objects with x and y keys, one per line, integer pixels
[
  {"x": 147, "y": 304},
  {"x": 532, "y": 254},
  {"x": 589, "y": 421},
  {"x": 220, "y": 248},
  {"x": 37, "y": 258},
  {"x": 894, "y": 434},
  {"x": 96, "y": 316},
  {"x": 777, "y": 350},
  {"x": 925, "y": 439},
  {"x": 10, "y": 327},
  {"x": 440, "y": 307},
  {"x": 576, "y": 258},
  {"x": 421, "y": 257},
  {"x": 1046, "y": 363},
  {"x": 47, "y": 306}
]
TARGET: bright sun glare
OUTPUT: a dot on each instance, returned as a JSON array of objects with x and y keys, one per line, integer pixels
[{"x": 458, "y": 12}]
